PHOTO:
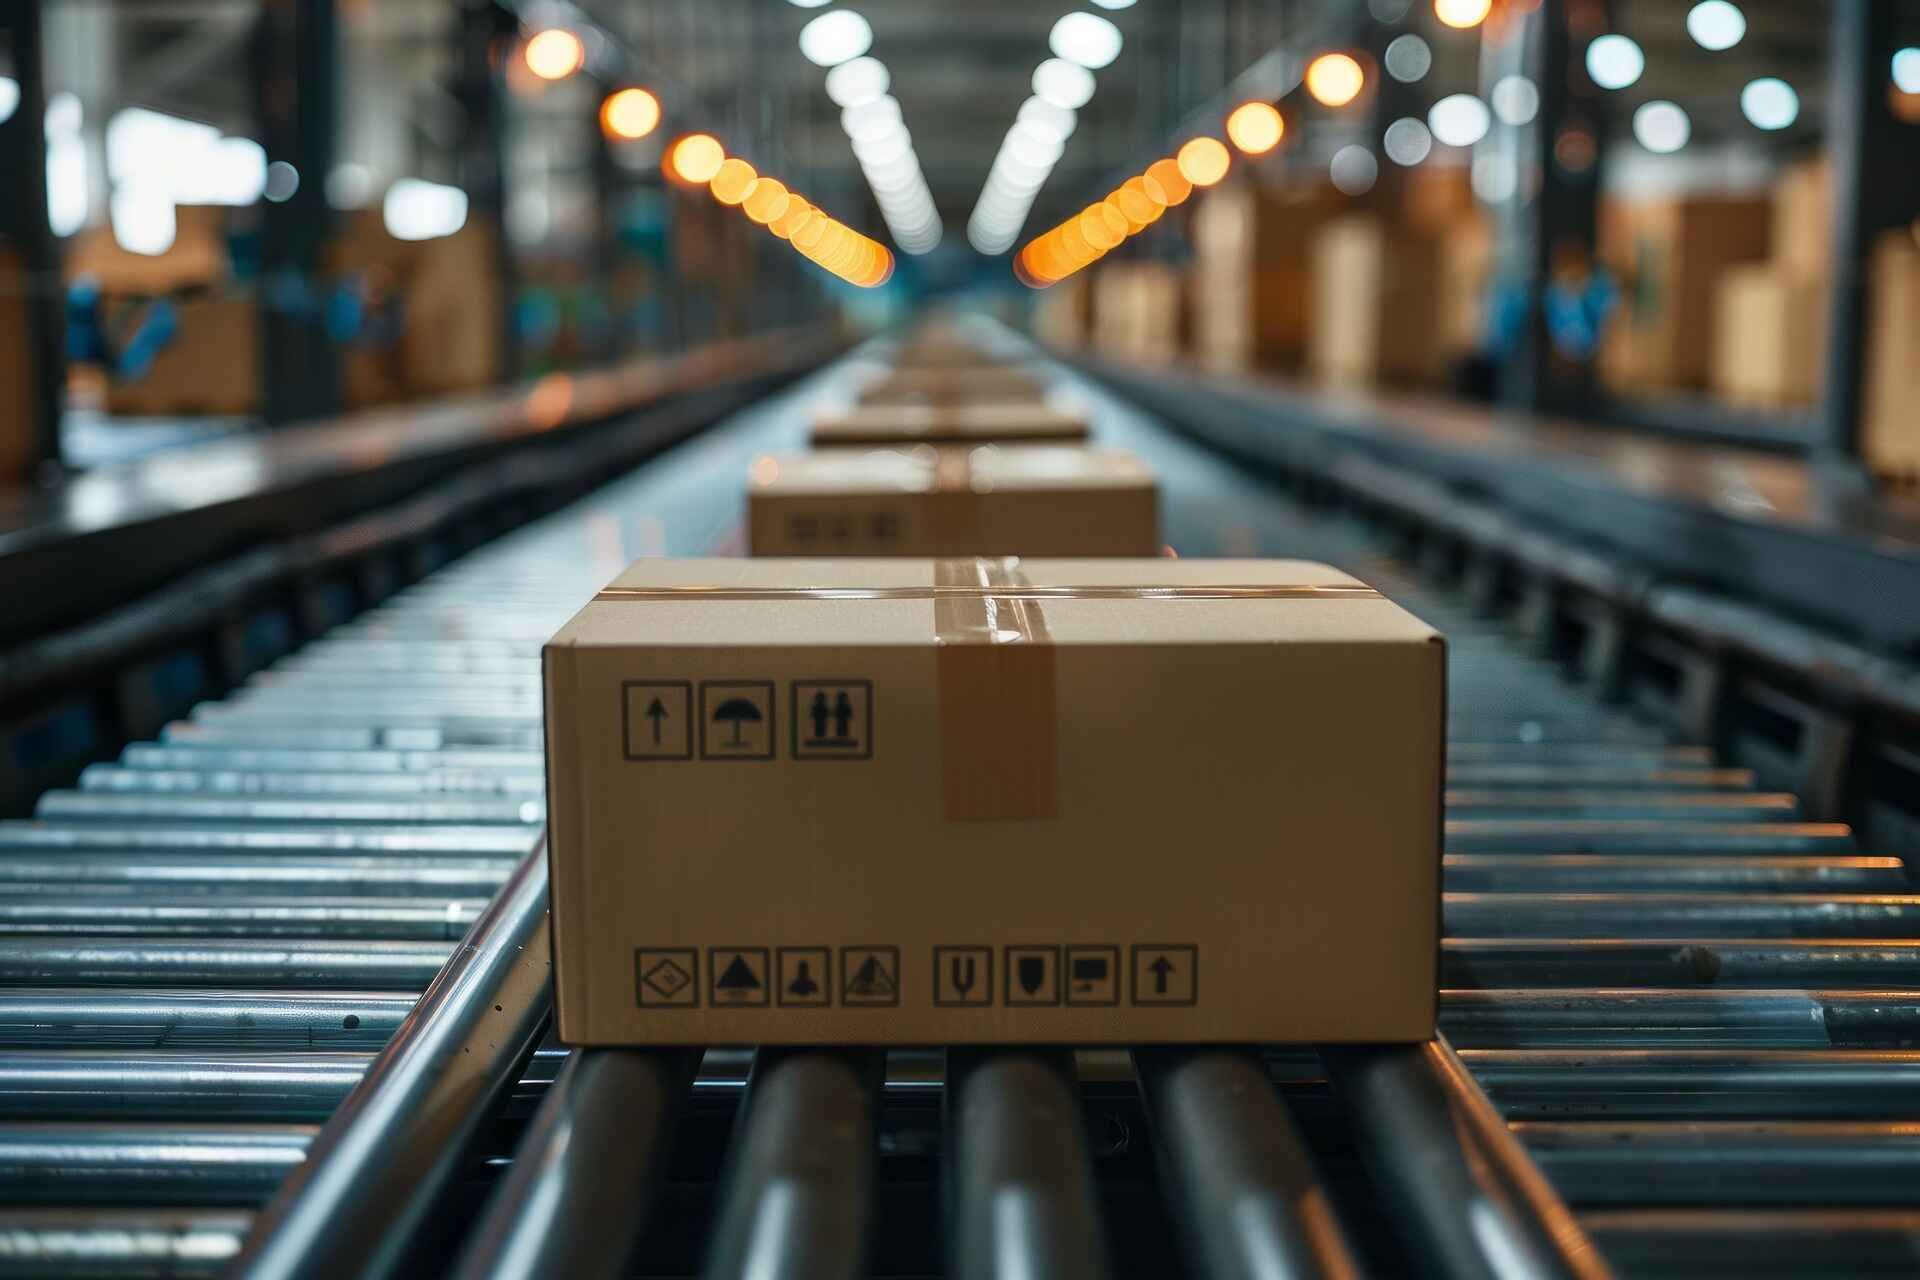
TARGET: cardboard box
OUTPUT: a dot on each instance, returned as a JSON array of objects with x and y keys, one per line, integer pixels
[
  {"x": 452, "y": 335},
  {"x": 1250, "y": 292},
  {"x": 1376, "y": 304},
  {"x": 211, "y": 365},
  {"x": 1770, "y": 337},
  {"x": 1063, "y": 314},
  {"x": 1668, "y": 256},
  {"x": 1803, "y": 219},
  {"x": 1137, "y": 311},
  {"x": 1466, "y": 249},
  {"x": 1041, "y": 500},
  {"x": 1891, "y": 433},
  {"x": 998, "y": 422},
  {"x": 937, "y": 385},
  {"x": 1036, "y": 801}
]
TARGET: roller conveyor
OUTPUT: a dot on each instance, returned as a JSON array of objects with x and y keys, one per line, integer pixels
[{"x": 273, "y": 990}]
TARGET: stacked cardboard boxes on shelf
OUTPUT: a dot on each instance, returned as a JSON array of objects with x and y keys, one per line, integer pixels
[
  {"x": 1251, "y": 290},
  {"x": 1770, "y": 317},
  {"x": 1138, "y": 312},
  {"x": 1376, "y": 303},
  {"x": 1891, "y": 437}
]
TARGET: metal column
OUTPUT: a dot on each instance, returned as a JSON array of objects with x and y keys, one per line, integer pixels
[
  {"x": 481, "y": 162},
  {"x": 1554, "y": 208},
  {"x": 23, "y": 224},
  {"x": 297, "y": 57},
  {"x": 1875, "y": 187}
]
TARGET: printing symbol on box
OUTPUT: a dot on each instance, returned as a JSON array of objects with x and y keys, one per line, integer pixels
[
  {"x": 869, "y": 976},
  {"x": 1166, "y": 974},
  {"x": 1033, "y": 975},
  {"x": 657, "y": 719},
  {"x": 736, "y": 720},
  {"x": 962, "y": 977},
  {"x": 833, "y": 719},
  {"x": 805, "y": 975},
  {"x": 666, "y": 978},
  {"x": 1093, "y": 975},
  {"x": 738, "y": 975}
]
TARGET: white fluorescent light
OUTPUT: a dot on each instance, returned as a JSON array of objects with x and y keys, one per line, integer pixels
[
  {"x": 835, "y": 37},
  {"x": 1085, "y": 38},
  {"x": 1064, "y": 84}
]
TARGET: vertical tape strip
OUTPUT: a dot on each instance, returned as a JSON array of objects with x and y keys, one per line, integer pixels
[
  {"x": 953, "y": 510},
  {"x": 998, "y": 722}
]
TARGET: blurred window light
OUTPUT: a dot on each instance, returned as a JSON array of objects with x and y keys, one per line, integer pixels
[
  {"x": 1906, "y": 70},
  {"x": 1064, "y": 84},
  {"x": 1335, "y": 79},
  {"x": 349, "y": 186},
  {"x": 68, "y": 192},
  {"x": 630, "y": 113},
  {"x": 1085, "y": 38},
  {"x": 237, "y": 177},
  {"x": 417, "y": 210},
  {"x": 64, "y": 114},
  {"x": 696, "y": 158},
  {"x": 1661, "y": 126},
  {"x": 1409, "y": 58},
  {"x": 9, "y": 98},
  {"x": 283, "y": 180},
  {"x": 1769, "y": 103},
  {"x": 555, "y": 54},
  {"x": 143, "y": 219},
  {"x": 1516, "y": 100},
  {"x": 1203, "y": 161},
  {"x": 1462, "y": 14},
  {"x": 835, "y": 37},
  {"x": 1459, "y": 120},
  {"x": 1495, "y": 179},
  {"x": 151, "y": 146},
  {"x": 1255, "y": 127},
  {"x": 1407, "y": 141},
  {"x": 858, "y": 80},
  {"x": 1047, "y": 119},
  {"x": 1615, "y": 61},
  {"x": 1354, "y": 170},
  {"x": 1716, "y": 25}
]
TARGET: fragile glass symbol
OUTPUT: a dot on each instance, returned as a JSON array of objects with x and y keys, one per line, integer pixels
[{"x": 735, "y": 712}]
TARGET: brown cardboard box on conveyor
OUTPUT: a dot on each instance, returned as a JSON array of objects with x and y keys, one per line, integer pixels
[
  {"x": 967, "y": 801},
  {"x": 977, "y": 422},
  {"x": 1057, "y": 500}
]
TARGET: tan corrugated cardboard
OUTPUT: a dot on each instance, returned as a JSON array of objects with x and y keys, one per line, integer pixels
[
  {"x": 1770, "y": 337},
  {"x": 1891, "y": 437},
  {"x": 927, "y": 501},
  {"x": 983, "y": 422},
  {"x": 1376, "y": 303},
  {"x": 1803, "y": 219},
  {"x": 916, "y": 802},
  {"x": 912, "y": 385},
  {"x": 1668, "y": 256},
  {"x": 210, "y": 365}
]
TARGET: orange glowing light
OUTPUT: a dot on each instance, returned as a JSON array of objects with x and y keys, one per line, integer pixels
[
  {"x": 555, "y": 54},
  {"x": 630, "y": 114},
  {"x": 767, "y": 200},
  {"x": 1165, "y": 183},
  {"x": 1255, "y": 127},
  {"x": 1204, "y": 161},
  {"x": 1093, "y": 225},
  {"x": 549, "y": 401},
  {"x": 1133, "y": 200},
  {"x": 811, "y": 232},
  {"x": 1335, "y": 79},
  {"x": 696, "y": 158},
  {"x": 1462, "y": 13},
  {"x": 734, "y": 181},
  {"x": 798, "y": 211}
]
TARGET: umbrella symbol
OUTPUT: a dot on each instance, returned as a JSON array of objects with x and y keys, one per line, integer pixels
[{"x": 737, "y": 711}]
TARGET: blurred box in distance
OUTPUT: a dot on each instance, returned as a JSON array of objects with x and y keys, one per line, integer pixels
[
  {"x": 1251, "y": 284},
  {"x": 1466, "y": 269},
  {"x": 1891, "y": 433},
  {"x": 451, "y": 335},
  {"x": 978, "y": 801},
  {"x": 1376, "y": 304},
  {"x": 1052, "y": 500},
  {"x": 1137, "y": 312},
  {"x": 914, "y": 385},
  {"x": 982, "y": 422},
  {"x": 1063, "y": 314},
  {"x": 1802, "y": 232},
  {"x": 1770, "y": 337},
  {"x": 209, "y": 365},
  {"x": 1668, "y": 256}
]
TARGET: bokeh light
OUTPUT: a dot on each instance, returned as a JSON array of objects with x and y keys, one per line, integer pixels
[
  {"x": 1716, "y": 25},
  {"x": 1204, "y": 161},
  {"x": 1459, "y": 120},
  {"x": 1065, "y": 84},
  {"x": 1906, "y": 70},
  {"x": 1408, "y": 58},
  {"x": 1354, "y": 170},
  {"x": 1085, "y": 38},
  {"x": 630, "y": 114},
  {"x": 733, "y": 182},
  {"x": 1769, "y": 103},
  {"x": 696, "y": 158},
  {"x": 1407, "y": 141},
  {"x": 1164, "y": 182},
  {"x": 555, "y": 54},
  {"x": 1661, "y": 127},
  {"x": 766, "y": 201},
  {"x": 1255, "y": 127},
  {"x": 1462, "y": 14},
  {"x": 1516, "y": 100},
  {"x": 1615, "y": 61},
  {"x": 834, "y": 38},
  {"x": 1335, "y": 79}
]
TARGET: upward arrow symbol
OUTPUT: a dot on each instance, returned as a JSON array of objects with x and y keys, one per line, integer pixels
[
  {"x": 1160, "y": 968},
  {"x": 656, "y": 713}
]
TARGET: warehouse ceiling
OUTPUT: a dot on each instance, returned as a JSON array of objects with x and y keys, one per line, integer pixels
[{"x": 960, "y": 71}]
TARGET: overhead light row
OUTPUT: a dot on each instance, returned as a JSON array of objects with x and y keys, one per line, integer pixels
[
  {"x": 1081, "y": 43},
  {"x": 698, "y": 159},
  {"x": 858, "y": 83},
  {"x": 1130, "y": 209}
]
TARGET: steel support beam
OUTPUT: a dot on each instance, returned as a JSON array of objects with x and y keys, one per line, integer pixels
[
  {"x": 1875, "y": 186},
  {"x": 481, "y": 165},
  {"x": 24, "y": 228},
  {"x": 297, "y": 62}
]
